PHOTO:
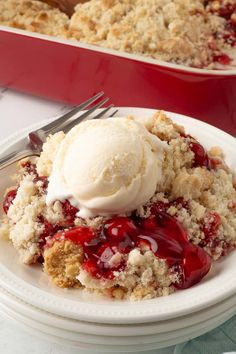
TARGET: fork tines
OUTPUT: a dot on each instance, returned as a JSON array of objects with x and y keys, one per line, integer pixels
[
  {"x": 31, "y": 145},
  {"x": 62, "y": 121},
  {"x": 88, "y": 115}
]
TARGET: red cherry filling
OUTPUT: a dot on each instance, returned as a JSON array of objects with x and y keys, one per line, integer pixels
[
  {"x": 225, "y": 10},
  {"x": 212, "y": 241},
  {"x": 159, "y": 207},
  {"x": 43, "y": 180},
  {"x": 118, "y": 228},
  {"x": 195, "y": 265},
  {"x": 104, "y": 251},
  {"x": 48, "y": 231},
  {"x": 222, "y": 58},
  {"x": 200, "y": 155},
  {"x": 29, "y": 167},
  {"x": 164, "y": 206},
  {"x": 69, "y": 211},
  {"x": 214, "y": 163},
  {"x": 8, "y": 200},
  {"x": 10, "y": 196},
  {"x": 201, "y": 158},
  {"x": 51, "y": 229},
  {"x": 81, "y": 234},
  {"x": 230, "y": 37},
  {"x": 211, "y": 224}
]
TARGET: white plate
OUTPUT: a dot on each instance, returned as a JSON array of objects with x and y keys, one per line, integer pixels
[
  {"x": 31, "y": 285},
  {"x": 141, "y": 329},
  {"x": 114, "y": 344}
]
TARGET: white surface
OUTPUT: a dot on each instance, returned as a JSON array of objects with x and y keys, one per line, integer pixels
[
  {"x": 17, "y": 111},
  {"x": 33, "y": 286}
]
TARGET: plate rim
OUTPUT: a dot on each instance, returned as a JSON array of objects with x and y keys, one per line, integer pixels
[{"x": 44, "y": 317}]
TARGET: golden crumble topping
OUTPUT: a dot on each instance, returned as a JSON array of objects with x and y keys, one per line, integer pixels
[
  {"x": 34, "y": 16},
  {"x": 62, "y": 262}
]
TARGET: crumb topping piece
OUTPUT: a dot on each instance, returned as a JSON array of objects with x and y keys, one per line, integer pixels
[
  {"x": 34, "y": 16},
  {"x": 62, "y": 262}
]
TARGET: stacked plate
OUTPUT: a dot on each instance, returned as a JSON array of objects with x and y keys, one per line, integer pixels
[{"x": 83, "y": 320}]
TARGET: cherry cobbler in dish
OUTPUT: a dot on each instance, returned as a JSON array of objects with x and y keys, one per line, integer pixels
[
  {"x": 196, "y": 33},
  {"x": 137, "y": 213}
]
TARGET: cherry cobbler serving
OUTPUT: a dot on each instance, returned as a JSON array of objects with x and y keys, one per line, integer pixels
[
  {"x": 127, "y": 207},
  {"x": 196, "y": 33}
]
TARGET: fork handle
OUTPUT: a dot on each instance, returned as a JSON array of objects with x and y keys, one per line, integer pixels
[{"x": 13, "y": 157}]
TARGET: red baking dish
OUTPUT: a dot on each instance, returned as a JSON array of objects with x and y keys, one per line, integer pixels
[{"x": 69, "y": 71}]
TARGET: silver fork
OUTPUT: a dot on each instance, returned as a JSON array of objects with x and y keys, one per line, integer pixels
[{"x": 31, "y": 145}]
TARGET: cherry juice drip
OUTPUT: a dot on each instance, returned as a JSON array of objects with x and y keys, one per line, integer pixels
[{"x": 160, "y": 233}]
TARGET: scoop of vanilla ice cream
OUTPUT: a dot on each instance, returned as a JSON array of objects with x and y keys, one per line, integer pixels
[{"x": 106, "y": 167}]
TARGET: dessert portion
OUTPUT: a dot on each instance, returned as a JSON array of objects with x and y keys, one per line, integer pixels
[
  {"x": 130, "y": 208},
  {"x": 196, "y": 33}
]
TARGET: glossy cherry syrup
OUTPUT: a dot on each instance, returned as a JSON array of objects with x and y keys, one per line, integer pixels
[{"x": 160, "y": 233}]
